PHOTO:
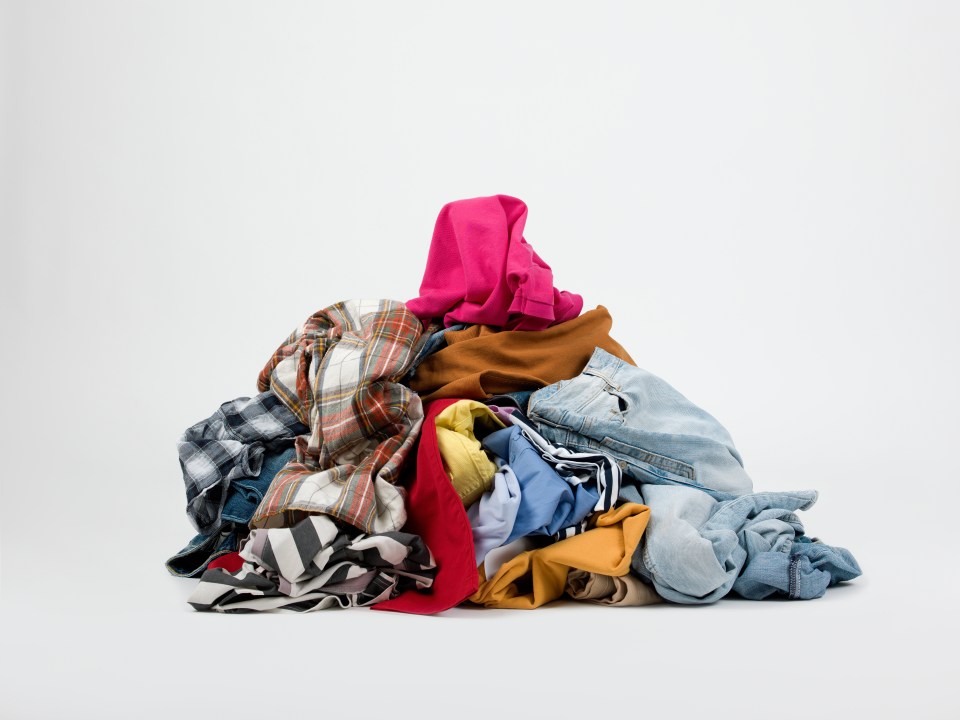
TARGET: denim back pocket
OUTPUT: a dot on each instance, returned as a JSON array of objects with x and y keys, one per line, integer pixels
[{"x": 591, "y": 395}]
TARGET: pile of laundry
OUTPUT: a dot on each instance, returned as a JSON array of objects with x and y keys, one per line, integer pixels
[{"x": 485, "y": 442}]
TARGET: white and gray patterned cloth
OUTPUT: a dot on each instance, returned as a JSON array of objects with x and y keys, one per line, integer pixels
[
  {"x": 314, "y": 565},
  {"x": 229, "y": 445}
]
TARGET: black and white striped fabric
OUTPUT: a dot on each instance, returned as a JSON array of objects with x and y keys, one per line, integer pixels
[
  {"x": 314, "y": 565},
  {"x": 576, "y": 468}
]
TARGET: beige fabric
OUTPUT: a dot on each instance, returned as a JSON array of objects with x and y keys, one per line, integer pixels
[{"x": 606, "y": 590}]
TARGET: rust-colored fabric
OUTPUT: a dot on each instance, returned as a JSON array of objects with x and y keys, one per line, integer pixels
[
  {"x": 536, "y": 577},
  {"x": 482, "y": 361}
]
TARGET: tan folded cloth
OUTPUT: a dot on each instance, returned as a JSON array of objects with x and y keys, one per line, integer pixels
[{"x": 607, "y": 590}]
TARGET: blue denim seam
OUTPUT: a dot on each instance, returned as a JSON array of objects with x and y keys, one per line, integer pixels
[
  {"x": 665, "y": 463},
  {"x": 647, "y": 562},
  {"x": 577, "y": 441},
  {"x": 793, "y": 591},
  {"x": 589, "y": 399},
  {"x": 603, "y": 376},
  {"x": 732, "y": 506}
]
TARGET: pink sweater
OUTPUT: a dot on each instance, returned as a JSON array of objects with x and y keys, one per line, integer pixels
[{"x": 480, "y": 270}]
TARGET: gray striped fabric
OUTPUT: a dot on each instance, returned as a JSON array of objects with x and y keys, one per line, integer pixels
[{"x": 314, "y": 565}]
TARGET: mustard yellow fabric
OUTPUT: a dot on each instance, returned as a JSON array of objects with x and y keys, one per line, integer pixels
[
  {"x": 536, "y": 577},
  {"x": 458, "y": 428}
]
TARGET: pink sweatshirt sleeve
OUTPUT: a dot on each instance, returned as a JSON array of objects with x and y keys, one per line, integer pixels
[{"x": 531, "y": 282}]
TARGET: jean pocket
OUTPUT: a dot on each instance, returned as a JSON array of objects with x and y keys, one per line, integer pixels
[
  {"x": 649, "y": 466},
  {"x": 592, "y": 396}
]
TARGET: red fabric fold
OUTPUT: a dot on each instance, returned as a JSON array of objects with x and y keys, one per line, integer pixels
[{"x": 436, "y": 513}]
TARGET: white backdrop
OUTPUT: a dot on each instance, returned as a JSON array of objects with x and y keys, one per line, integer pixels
[{"x": 766, "y": 196}]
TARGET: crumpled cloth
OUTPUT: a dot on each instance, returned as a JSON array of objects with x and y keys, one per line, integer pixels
[
  {"x": 315, "y": 565},
  {"x": 536, "y": 577},
  {"x": 698, "y": 548},
  {"x": 229, "y": 446},
  {"x": 625, "y": 591},
  {"x": 339, "y": 374},
  {"x": 243, "y": 496},
  {"x": 436, "y": 513},
  {"x": 492, "y": 518},
  {"x": 481, "y": 361},
  {"x": 480, "y": 270},
  {"x": 801, "y": 570},
  {"x": 459, "y": 429}
]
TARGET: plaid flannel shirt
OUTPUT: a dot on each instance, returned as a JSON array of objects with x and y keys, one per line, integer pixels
[{"x": 339, "y": 374}]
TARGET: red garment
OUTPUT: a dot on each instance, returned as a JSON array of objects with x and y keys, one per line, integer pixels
[
  {"x": 231, "y": 562},
  {"x": 435, "y": 513},
  {"x": 481, "y": 271}
]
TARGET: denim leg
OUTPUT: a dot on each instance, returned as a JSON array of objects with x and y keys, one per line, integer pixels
[
  {"x": 658, "y": 435},
  {"x": 803, "y": 572},
  {"x": 695, "y": 547}
]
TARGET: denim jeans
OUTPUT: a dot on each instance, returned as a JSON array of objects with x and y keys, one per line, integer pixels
[
  {"x": 697, "y": 549},
  {"x": 243, "y": 496},
  {"x": 656, "y": 434},
  {"x": 801, "y": 572},
  {"x": 686, "y": 469}
]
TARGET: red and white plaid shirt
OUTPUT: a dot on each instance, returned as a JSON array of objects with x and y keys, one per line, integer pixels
[{"x": 339, "y": 374}]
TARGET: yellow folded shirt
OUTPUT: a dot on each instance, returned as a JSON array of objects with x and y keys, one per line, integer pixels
[{"x": 459, "y": 430}]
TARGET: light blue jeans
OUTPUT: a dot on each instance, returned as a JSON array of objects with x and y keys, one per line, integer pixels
[
  {"x": 802, "y": 572},
  {"x": 706, "y": 526},
  {"x": 696, "y": 549},
  {"x": 654, "y": 432},
  {"x": 243, "y": 497}
]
